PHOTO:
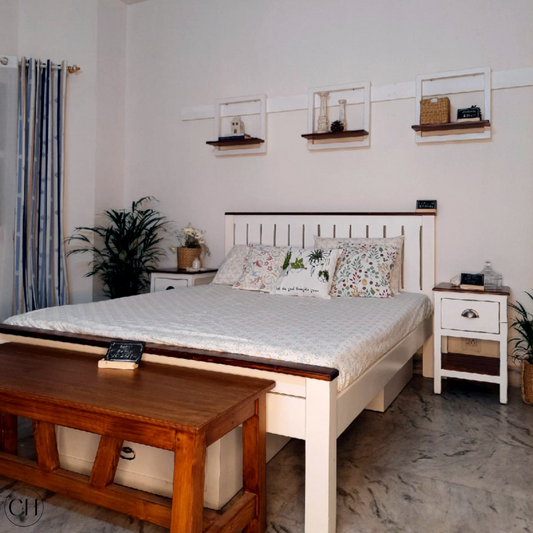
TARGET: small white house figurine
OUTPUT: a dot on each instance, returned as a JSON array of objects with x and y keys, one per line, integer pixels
[{"x": 237, "y": 126}]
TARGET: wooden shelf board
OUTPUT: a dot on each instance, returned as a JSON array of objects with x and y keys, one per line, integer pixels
[
  {"x": 452, "y": 126},
  {"x": 448, "y": 287},
  {"x": 236, "y": 142},
  {"x": 334, "y": 135},
  {"x": 477, "y": 364}
]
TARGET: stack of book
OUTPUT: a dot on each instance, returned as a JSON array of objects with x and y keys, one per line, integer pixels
[{"x": 234, "y": 137}]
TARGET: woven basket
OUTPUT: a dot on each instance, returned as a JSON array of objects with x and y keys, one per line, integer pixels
[
  {"x": 435, "y": 111},
  {"x": 527, "y": 382},
  {"x": 187, "y": 255}
]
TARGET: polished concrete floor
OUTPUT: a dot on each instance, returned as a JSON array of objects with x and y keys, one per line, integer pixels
[{"x": 460, "y": 462}]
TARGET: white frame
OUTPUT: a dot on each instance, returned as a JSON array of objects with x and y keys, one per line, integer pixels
[
  {"x": 455, "y": 81},
  {"x": 311, "y": 99},
  {"x": 311, "y": 408},
  {"x": 244, "y": 106}
]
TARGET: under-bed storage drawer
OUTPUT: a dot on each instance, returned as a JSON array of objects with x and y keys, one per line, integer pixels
[{"x": 470, "y": 315}]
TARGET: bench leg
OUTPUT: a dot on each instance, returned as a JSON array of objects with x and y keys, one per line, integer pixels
[
  {"x": 321, "y": 456},
  {"x": 189, "y": 478},
  {"x": 254, "y": 463},
  {"x": 8, "y": 433}
]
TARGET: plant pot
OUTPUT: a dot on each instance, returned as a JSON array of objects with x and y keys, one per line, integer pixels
[
  {"x": 527, "y": 382},
  {"x": 187, "y": 255}
]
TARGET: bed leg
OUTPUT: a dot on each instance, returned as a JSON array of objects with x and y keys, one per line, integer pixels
[
  {"x": 428, "y": 363},
  {"x": 321, "y": 456}
]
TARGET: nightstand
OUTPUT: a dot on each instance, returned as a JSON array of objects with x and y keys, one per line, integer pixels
[
  {"x": 471, "y": 314},
  {"x": 165, "y": 280}
]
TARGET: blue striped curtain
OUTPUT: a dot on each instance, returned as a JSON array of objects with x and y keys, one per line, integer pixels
[{"x": 40, "y": 267}]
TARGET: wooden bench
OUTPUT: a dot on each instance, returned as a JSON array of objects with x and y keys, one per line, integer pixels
[{"x": 178, "y": 409}]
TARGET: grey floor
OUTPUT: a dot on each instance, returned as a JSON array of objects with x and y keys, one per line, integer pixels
[{"x": 460, "y": 462}]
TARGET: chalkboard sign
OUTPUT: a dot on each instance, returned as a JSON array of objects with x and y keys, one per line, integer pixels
[
  {"x": 426, "y": 205},
  {"x": 125, "y": 351},
  {"x": 474, "y": 280},
  {"x": 469, "y": 113}
]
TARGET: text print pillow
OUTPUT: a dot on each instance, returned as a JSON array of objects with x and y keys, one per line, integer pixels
[{"x": 308, "y": 273}]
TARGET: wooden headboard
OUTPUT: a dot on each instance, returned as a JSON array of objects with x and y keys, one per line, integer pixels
[{"x": 299, "y": 229}]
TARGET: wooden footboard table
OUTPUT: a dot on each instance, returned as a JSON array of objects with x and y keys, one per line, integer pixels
[{"x": 179, "y": 409}]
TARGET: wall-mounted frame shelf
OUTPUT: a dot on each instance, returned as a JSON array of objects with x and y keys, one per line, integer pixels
[
  {"x": 353, "y": 93},
  {"x": 252, "y": 110},
  {"x": 456, "y": 82},
  {"x": 474, "y": 125}
]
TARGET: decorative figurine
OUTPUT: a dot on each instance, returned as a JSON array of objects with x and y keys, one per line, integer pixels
[
  {"x": 323, "y": 123},
  {"x": 337, "y": 126},
  {"x": 237, "y": 126},
  {"x": 342, "y": 114}
]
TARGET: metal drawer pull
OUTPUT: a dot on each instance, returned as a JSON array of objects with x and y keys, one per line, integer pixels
[
  {"x": 470, "y": 313},
  {"x": 127, "y": 453}
]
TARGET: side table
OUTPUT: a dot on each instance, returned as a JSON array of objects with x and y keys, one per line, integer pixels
[{"x": 470, "y": 314}]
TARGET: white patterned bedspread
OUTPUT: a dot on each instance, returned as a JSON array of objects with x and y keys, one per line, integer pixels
[{"x": 344, "y": 333}]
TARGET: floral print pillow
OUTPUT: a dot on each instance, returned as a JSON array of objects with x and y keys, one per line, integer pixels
[
  {"x": 365, "y": 270},
  {"x": 308, "y": 273},
  {"x": 262, "y": 267}
]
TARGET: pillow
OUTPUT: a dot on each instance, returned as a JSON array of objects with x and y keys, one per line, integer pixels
[
  {"x": 231, "y": 269},
  {"x": 262, "y": 267},
  {"x": 396, "y": 242},
  {"x": 365, "y": 270},
  {"x": 308, "y": 272}
]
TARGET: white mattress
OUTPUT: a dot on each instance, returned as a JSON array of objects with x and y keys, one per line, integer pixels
[{"x": 349, "y": 334}]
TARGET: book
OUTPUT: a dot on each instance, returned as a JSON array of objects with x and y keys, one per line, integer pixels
[
  {"x": 234, "y": 137},
  {"x": 472, "y": 287},
  {"x": 426, "y": 210},
  {"x": 124, "y": 355},
  {"x": 471, "y": 119}
]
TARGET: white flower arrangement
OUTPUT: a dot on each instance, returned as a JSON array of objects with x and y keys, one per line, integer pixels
[{"x": 190, "y": 237}]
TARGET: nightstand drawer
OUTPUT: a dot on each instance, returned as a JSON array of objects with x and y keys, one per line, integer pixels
[
  {"x": 470, "y": 315},
  {"x": 166, "y": 284}
]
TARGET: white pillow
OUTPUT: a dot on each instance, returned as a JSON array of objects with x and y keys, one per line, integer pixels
[
  {"x": 262, "y": 267},
  {"x": 308, "y": 272},
  {"x": 395, "y": 242},
  {"x": 231, "y": 269}
]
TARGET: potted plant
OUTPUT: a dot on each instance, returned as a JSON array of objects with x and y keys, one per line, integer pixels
[
  {"x": 523, "y": 348},
  {"x": 192, "y": 247},
  {"x": 125, "y": 250}
]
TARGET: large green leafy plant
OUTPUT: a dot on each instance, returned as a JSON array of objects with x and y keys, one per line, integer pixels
[
  {"x": 125, "y": 250},
  {"x": 523, "y": 325}
]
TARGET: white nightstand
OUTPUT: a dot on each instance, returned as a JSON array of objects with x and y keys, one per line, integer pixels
[
  {"x": 165, "y": 280},
  {"x": 470, "y": 314}
]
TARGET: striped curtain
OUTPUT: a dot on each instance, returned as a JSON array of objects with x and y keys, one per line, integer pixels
[{"x": 40, "y": 267}]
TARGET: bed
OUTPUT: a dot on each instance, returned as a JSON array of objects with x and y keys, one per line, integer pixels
[{"x": 316, "y": 397}]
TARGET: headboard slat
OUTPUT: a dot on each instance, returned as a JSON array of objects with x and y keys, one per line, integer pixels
[{"x": 299, "y": 229}]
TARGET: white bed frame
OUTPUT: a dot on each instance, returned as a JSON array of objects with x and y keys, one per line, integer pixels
[{"x": 312, "y": 409}]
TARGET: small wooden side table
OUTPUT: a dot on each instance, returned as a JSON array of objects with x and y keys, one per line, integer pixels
[
  {"x": 470, "y": 314},
  {"x": 174, "y": 408},
  {"x": 165, "y": 280}
]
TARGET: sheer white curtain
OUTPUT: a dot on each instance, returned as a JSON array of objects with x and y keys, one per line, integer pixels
[{"x": 8, "y": 178}]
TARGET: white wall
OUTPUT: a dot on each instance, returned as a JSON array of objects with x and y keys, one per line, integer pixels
[
  {"x": 182, "y": 54},
  {"x": 91, "y": 34}
]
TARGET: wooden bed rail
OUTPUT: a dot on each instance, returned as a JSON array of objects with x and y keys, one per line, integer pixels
[{"x": 13, "y": 334}]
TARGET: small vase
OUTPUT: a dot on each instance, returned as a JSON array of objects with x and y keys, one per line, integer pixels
[
  {"x": 342, "y": 113},
  {"x": 527, "y": 382},
  {"x": 323, "y": 124},
  {"x": 187, "y": 255}
]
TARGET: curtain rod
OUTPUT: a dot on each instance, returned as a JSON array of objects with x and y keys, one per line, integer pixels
[{"x": 73, "y": 69}]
